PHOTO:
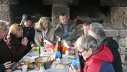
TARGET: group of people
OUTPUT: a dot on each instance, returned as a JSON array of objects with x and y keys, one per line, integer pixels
[
  {"x": 98, "y": 53},
  {"x": 21, "y": 38}
]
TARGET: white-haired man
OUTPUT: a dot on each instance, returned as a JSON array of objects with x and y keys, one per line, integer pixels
[{"x": 6, "y": 56}]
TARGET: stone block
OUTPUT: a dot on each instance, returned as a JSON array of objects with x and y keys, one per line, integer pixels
[
  {"x": 122, "y": 42},
  {"x": 123, "y": 33},
  {"x": 112, "y": 33},
  {"x": 122, "y": 58},
  {"x": 123, "y": 50},
  {"x": 118, "y": 17}
]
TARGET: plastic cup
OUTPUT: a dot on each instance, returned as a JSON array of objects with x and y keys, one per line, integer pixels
[
  {"x": 58, "y": 55},
  {"x": 38, "y": 49},
  {"x": 24, "y": 68},
  {"x": 75, "y": 64}
]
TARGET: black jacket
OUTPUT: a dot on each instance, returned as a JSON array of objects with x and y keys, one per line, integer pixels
[
  {"x": 113, "y": 45},
  {"x": 5, "y": 53},
  {"x": 29, "y": 32},
  {"x": 2, "y": 68}
]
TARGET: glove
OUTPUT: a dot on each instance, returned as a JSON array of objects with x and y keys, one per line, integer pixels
[{"x": 67, "y": 33}]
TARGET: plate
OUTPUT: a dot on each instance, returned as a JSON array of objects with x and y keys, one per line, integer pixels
[{"x": 66, "y": 61}]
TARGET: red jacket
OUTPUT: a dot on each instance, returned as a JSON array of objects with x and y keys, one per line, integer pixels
[{"x": 95, "y": 62}]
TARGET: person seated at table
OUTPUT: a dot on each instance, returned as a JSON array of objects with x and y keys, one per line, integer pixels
[
  {"x": 5, "y": 67},
  {"x": 99, "y": 34},
  {"x": 28, "y": 31},
  {"x": 98, "y": 59},
  {"x": 15, "y": 43},
  {"x": 42, "y": 29},
  {"x": 66, "y": 29},
  {"x": 6, "y": 56}
]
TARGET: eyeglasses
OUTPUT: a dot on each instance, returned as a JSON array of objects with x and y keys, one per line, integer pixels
[{"x": 80, "y": 53}]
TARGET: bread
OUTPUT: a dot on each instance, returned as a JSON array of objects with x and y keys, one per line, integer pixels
[
  {"x": 19, "y": 67},
  {"x": 60, "y": 66}
]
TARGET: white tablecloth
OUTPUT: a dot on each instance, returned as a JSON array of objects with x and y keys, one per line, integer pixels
[{"x": 32, "y": 55}]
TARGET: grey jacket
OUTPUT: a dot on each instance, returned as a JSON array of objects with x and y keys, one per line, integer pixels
[{"x": 59, "y": 31}]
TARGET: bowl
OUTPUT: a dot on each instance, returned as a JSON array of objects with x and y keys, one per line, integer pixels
[
  {"x": 44, "y": 59},
  {"x": 29, "y": 64}
]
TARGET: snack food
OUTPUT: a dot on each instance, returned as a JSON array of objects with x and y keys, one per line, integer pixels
[
  {"x": 30, "y": 65},
  {"x": 60, "y": 66},
  {"x": 19, "y": 67}
]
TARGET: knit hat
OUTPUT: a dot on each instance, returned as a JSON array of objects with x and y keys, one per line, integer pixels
[{"x": 26, "y": 17}]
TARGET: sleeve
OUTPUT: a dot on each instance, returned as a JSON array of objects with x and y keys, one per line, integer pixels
[
  {"x": 59, "y": 31},
  {"x": 20, "y": 52},
  {"x": 2, "y": 68},
  {"x": 32, "y": 35},
  {"x": 73, "y": 34},
  {"x": 107, "y": 67}
]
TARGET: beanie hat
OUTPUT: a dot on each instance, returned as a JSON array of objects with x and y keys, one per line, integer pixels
[{"x": 26, "y": 17}]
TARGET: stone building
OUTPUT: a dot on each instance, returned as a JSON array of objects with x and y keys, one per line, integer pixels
[{"x": 111, "y": 13}]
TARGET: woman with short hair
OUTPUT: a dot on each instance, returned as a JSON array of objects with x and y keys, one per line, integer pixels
[
  {"x": 98, "y": 59},
  {"x": 15, "y": 43}
]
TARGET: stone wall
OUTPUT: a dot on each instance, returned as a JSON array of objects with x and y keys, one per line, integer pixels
[
  {"x": 5, "y": 12},
  {"x": 5, "y": 9}
]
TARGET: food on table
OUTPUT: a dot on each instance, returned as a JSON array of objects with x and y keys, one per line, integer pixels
[{"x": 60, "y": 66}]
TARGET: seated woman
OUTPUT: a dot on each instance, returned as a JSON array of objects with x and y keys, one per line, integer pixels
[
  {"x": 15, "y": 43},
  {"x": 98, "y": 59},
  {"x": 42, "y": 29},
  {"x": 28, "y": 31}
]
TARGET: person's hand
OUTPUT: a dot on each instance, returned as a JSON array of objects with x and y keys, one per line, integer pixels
[
  {"x": 8, "y": 70},
  {"x": 25, "y": 41},
  {"x": 7, "y": 64},
  {"x": 72, "y": 69},
  {"x": 33, "y": 45}
]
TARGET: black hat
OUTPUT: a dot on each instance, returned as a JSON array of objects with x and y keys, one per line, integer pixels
[{"x": 26, "y": 17}]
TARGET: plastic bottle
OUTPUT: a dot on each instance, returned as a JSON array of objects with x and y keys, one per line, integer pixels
[{"x": 42, "y": 69}]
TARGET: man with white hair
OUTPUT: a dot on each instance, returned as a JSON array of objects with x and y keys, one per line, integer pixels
[
  {"x": 6, "y": 56},
  {"x": 97, "y": 31},
  {"x": 99, "y": 34},
  {"x": 96, "y": 24}
]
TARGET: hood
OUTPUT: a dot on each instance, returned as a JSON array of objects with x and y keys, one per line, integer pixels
[
  {"x": 110, "y": 42},
  {"x": 103, "y": 53}
]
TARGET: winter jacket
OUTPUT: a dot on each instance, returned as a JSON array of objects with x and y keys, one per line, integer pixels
[
  {"x": 61, "y": 32},
  {"x": 39, "y": 35},
  {"x": 100, "y": 61},
  {"x": 18, "y": 49},
  {"x": 113, "y": 46},
  {"x": 5, "y": 53},
  {"x": 2, "y": 68},
  {"x": 29, "y": 32}
]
